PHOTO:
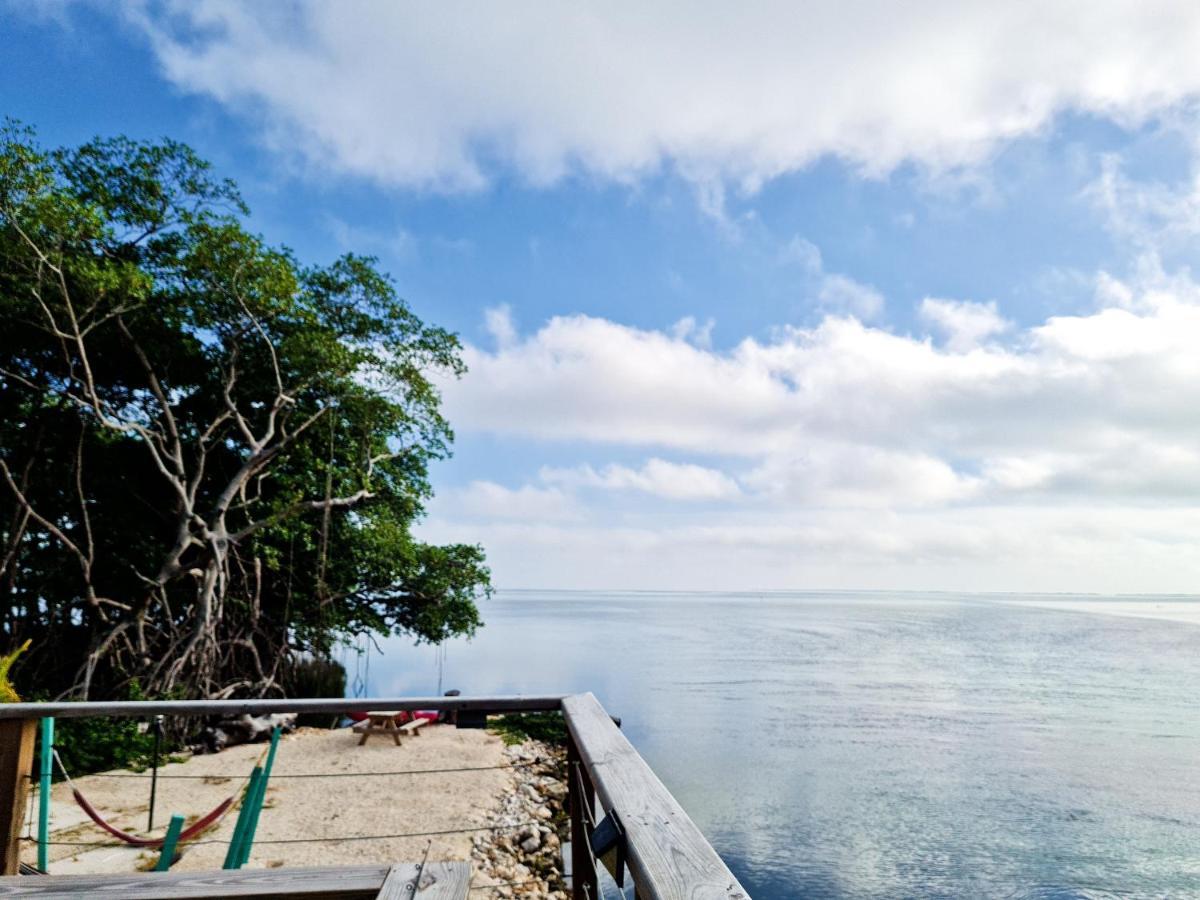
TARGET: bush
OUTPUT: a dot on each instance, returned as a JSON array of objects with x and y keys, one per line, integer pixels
[
  {"x": 95, "y": 744},
  {"x": 516, "y": 728},
  {"x": 98, "y": 744},
  {"x": 316, "y": 677}
]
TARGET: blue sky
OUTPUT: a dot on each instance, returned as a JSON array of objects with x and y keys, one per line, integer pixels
[{"x": 757, "y": 300}]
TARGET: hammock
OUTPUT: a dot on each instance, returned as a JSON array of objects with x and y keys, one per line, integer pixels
[{"x": 186, "y": 835}]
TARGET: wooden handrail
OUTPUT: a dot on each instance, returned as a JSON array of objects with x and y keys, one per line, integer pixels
[
  {"x": 668, "y": 857},
  {"x": 136, "y": 708}
]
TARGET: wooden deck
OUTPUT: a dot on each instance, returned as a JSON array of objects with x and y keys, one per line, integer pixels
[
  {"x": 404, "y": 881},
  {"x": 619, "y": 811}
]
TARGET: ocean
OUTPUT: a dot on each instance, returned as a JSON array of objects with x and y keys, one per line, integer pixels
[{"x": 877, "y": 745}]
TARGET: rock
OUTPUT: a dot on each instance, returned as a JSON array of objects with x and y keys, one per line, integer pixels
[{"x": 531, "y": 844}]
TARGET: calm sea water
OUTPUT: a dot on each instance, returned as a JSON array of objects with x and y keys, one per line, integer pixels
[{"x": 872, "y": 745}]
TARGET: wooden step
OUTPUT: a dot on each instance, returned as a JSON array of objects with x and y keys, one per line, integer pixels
[{"x": 439, "y": 881}]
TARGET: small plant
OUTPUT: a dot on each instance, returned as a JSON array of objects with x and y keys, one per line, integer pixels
[
  {"x": 516, "y": 728},
  {"x": 7, "y": 693}
]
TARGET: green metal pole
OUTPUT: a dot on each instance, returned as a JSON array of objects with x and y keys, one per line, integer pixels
[
  {"x": 168, "y": 848},
  {"x": 44, "y": 773},
  {"x": 234, "y": 853},
  {"x": 275, "y": 732},
  {"x": 252, "y": 824},
  {"x": 247, "y": 841}
]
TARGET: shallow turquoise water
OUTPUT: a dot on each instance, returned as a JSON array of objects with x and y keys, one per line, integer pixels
[{"x": 872, "y": 745}]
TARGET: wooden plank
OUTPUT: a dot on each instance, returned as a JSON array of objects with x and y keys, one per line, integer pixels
[
  {"x": 436, "y": 881},
  {"x": 580, "y": 805},
  {"x": 325, "y": 883},
  {"x": 142, "y": 708},
  {"x": 398, "y": 885},
  {"x": 16, "y": 764},
  {"x": 668, "y": 856},
  {"x": 444, "y": 881}
]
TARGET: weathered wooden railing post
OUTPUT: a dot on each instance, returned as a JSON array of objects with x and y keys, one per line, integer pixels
[
  {"x": 664, "y": 852},
  {"x": 581, "y": 801},
  {"x": 16, "y": 762}
]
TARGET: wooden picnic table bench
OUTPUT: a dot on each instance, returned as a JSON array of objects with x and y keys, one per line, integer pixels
[{"x": 379, "y": 722}]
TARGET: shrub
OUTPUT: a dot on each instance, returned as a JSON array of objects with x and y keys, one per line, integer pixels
[{"x": 316, "y": 677}]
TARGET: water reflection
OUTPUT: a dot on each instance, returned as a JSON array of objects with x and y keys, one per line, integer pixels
[{"x": 879, "y": 746}]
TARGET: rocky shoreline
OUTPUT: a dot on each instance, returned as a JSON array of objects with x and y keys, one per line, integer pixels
[{"x": 526, "y": 860}]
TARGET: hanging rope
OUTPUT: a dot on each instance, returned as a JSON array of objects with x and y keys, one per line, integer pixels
[{"x": 193, "y": 830}]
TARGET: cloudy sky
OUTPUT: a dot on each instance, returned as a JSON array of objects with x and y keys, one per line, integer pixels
[{"x": 847, "y": 294}]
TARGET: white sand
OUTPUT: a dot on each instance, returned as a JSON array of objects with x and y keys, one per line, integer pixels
[{"x": 301, "y": 807}]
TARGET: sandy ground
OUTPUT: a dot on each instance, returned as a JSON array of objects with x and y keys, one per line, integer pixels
[{"x": 301, "y": 807}]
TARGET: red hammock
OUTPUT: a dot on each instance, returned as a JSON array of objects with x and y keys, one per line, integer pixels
[{"x": 186, "y": 835}]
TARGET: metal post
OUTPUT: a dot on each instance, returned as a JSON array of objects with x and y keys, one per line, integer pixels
[
  {"x": 256, "y": 806},
  {"x": 234, "y": 854},
  {"x": 157, "y": 725},
  {"x": 167, "y": 856},
  {"x": 45, "y": 770}
]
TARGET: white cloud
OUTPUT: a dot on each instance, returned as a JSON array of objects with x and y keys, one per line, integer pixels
[
  {"x": 688, "y": 329},
  {"x": 840, "y": 294},
  {"x": 845, "y": 415},
  {"x": 1066, "y": 457},
  {"x": 657, "y": 477},
  {"x": 963, "y": 324},
  {"x": 498, "y": 321},
  {"x": 1109, "y": 550},
  {"x": 832, "y": 292},
  {"x": 1153, "y": 215},
  {"x": 431, "y": 96},
  {"x": 491, "y": 501},
  {"x": 804, "y": 253}
]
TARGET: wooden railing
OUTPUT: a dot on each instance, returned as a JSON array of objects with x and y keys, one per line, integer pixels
[{"x": 620, "y": 811}]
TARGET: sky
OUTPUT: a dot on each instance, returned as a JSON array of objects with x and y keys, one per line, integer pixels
[{"x": 833, "y": 295}]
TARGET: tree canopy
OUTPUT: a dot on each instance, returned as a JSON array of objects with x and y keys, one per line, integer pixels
[{"x": 211, "y": 453}]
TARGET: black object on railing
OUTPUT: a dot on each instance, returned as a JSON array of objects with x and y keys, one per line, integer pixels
[{"x": 157, "y": 725}]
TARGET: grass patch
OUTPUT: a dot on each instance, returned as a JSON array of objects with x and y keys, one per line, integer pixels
[{"x": 516, "y": 728}]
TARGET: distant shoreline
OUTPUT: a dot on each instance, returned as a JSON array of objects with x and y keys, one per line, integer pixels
[{"x": 1182, "y": 611}]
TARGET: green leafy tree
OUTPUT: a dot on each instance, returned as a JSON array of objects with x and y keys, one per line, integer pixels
[{"x": 211, "y": 454}]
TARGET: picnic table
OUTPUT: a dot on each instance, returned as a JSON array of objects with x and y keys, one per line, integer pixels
[
  {"x": 379, "y": 722},
  {"x": 384, "y": 722}
]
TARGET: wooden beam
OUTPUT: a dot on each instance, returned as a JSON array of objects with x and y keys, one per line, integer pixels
[
  {"x": 16, "y": 763},
  {"x": 437, "y": 881},
  {"x": 398, "y": 885},
  {"x": 325, "y": 883},
  {"x": 444, "y": 881},
  {"x": 668, "y": 856},
  {"x": 580, "y": 805},
  {"x": 141, "y": 708}
]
